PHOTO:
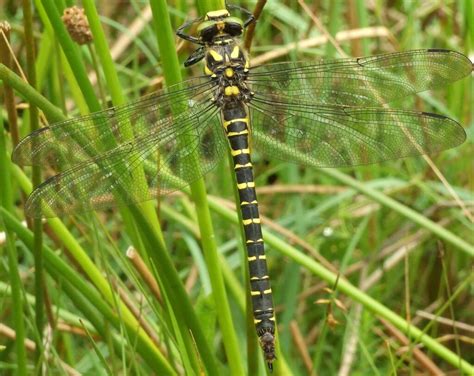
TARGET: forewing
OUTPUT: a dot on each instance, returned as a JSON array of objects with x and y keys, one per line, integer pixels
[
  {"x": 137, "y": 170},
  {"x": 367, "y": 81},
  {"x": 337, "y": 136},
  {"x": 80, "y": 139}
]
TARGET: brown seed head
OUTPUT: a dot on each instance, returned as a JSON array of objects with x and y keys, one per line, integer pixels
[{"x": 77, "y": 25}]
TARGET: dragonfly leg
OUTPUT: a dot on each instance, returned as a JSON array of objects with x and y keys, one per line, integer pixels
[
  {"x": 195, "y": 57},
  {"x": 250, "y": 17},
  {"x": 180, "y": 32}
]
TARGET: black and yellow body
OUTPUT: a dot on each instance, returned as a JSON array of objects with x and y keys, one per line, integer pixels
[{"x": 227, "y": 63}]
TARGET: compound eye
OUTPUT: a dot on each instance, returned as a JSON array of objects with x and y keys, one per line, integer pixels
[
  {"x": 233, "y": 28},
  {"x": 208, "y": 33}
]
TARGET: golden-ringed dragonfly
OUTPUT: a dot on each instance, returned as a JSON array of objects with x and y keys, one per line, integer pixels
[{"x": 325, "y": 113}]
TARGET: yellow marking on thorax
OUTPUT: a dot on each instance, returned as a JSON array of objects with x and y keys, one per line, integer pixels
[
  {"x": 249, "y": 184},
  {"x": 229, "y": 72},
  {"x": 246, "y": 66},
  {"x": 235, "y": 52},
  {"x": 216, "y": 55},
  {"x": 231, "y": 90},
  {"x": 208, "y": 72},
  {"x": 240, "y": 151}
]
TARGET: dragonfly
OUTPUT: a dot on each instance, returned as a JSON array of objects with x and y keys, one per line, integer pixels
[{"x": 323, "y": 113}]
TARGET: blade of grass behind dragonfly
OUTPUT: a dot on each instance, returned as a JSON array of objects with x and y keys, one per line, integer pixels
[
  {"x": 362, "y": 19},
  {"x": 468, "y": 30},
  {"x": 172, "y": 72},
  {"x": 460, "y": 94},
  {"x": 468, "y": 25},
  {"x": 6, "y": 203},
  {"x": 204, "y": 6},
  {"x": 335, "y": 11},
  {"x": 36, "y": 179}
]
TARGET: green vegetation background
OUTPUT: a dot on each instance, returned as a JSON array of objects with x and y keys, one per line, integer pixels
[{"x": 399, "y": 235}]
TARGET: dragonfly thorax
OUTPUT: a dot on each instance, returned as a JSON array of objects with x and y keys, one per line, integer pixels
[
  {"x": 227, "y": 64},
  {"x": 227, "y": 59}
]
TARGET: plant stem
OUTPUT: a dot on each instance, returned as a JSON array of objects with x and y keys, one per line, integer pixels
[
  {"x": 171, "y": 69},
  {"x": 36, "y": 178},
  {"x": 6, "y": 204}
]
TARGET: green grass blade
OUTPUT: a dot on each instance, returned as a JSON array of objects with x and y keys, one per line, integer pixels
[
  {"x": 171, "y": 69},
  {"x": 36, "y": 179},
  {"x": 6, "y": 204}
]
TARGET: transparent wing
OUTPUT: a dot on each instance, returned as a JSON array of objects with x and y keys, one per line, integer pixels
[
  {"x": 337, "y": 136},
  {"x": 74, "y": 141},
  {"x": 138, "y": 170},
  {"x": 367, "y": 81}
]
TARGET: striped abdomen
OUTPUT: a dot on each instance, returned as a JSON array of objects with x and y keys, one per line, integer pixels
[{"x": 236, "y": 121}]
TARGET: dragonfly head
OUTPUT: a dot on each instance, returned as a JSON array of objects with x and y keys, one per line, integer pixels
[{"x": 219, "y": 23}]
